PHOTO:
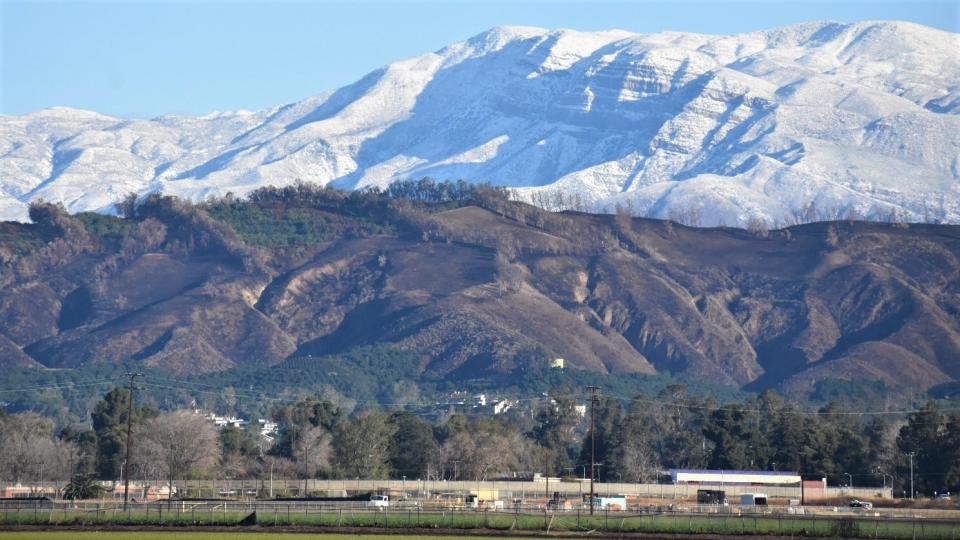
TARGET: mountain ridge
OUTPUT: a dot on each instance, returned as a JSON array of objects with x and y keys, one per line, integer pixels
[
  {"x": 470, "y": 284},
  {"x": 810, "y": 121}
]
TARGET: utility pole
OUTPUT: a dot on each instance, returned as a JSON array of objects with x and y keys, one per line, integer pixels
[
  {"x": 803, "y": 461},
  {"x": 126, "y": 470},
  {"x": 547, "y": 490},
  {"x": 593, "y": 441},
  {"x": 911, "y": 454},
  {"x": 306, "y": 467}
]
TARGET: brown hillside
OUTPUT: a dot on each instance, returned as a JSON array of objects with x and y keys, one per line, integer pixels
[{"x": 472, "y": 290}]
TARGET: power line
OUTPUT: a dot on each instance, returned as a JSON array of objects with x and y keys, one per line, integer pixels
[
  {"x": 55, "y": 386},
  {"x": 695, "y": 406}
]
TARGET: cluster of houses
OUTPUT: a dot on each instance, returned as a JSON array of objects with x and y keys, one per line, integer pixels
[
  {"x": 475, "y": 403},
  {"x": 463, "y": 401},
  {"x": 268, "y": 430}
]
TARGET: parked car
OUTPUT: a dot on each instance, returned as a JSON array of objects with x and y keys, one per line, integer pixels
[
  {"x": 861, "y": 504},
  {"x": 944, "y": 496}
]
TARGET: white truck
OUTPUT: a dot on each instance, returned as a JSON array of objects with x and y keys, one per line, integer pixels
[{"x": 379, "y": 501}]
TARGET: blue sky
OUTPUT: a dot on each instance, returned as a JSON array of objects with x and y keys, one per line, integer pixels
[{"x": 142, "y": 59}]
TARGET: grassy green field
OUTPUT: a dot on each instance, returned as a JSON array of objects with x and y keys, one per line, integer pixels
[
  {"x": 180, "y": 535},
  {"x": 781, "y": 525}
]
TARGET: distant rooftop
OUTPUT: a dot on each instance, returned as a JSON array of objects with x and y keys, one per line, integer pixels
[{"x": 734, "y": 471}]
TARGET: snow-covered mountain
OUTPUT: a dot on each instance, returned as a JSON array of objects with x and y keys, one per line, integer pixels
[{"x": 862, "y": 117}]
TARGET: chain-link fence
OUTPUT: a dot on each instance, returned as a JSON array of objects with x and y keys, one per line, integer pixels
[{"x": 653, "y": 520}]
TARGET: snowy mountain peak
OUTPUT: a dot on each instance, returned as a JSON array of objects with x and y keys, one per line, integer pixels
[
  {"x": 498, "y": 36},
  {"x": 802, "y": 122},
  {"x": 63, "y": 113}
]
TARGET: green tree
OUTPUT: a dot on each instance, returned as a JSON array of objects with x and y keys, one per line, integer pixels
[
  {"x": 234, "y": 440},
  {"x": 794, "y": 440},
  {"x": 881, "y": 440},
  {"x": 239, "y": 452},
  {"x": 414, "y": 445},
  {"x": 934, "y": 438},
  {"x": 635, "y": 457},
  {"x": 951, "y": 445},
  {"x": 362, "y": 446},
  {"x": 735, "y": 432},
  {"x": 454, "y": 424},
  {"x": 847, "y": 445},
  {"x": 554, "y": 430},
  {"x": 608, "y": 428},
  {"x": 679, "y": 420},
  {"x": 85, "y": 459},
  {"x": 294, "y": 419},
  {"x": 109, "y": 418}
]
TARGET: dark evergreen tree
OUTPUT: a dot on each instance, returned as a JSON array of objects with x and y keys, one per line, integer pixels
[
  {"x": 736, "y": 437},
  {"x": 299, "y": 416},
  {"x": 554, "y": 430},
  {"x": 413, "y": 446},
  {"x": 84, "y": 461},
  {"x": 237, "y": 441},
  {"x": 635, "y": 457},
  {"x": 109, "y": 418},
  {"x": 680, "y": 441},
  {"x": 934, "y": 439},
  {"x": 361, "y": 446},
  {"x": 609, "y": 430}
]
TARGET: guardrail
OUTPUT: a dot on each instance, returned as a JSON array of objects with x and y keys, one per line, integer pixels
[{"x": 654, "y": 519}]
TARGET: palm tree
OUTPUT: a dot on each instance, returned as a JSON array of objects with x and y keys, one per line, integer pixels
[{"x": 82, "y": 486}]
